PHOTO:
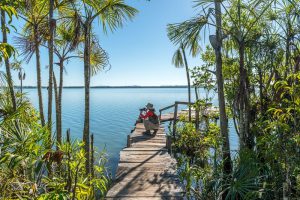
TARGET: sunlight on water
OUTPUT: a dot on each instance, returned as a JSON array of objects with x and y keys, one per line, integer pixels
[{"x": 113, "y": 113}]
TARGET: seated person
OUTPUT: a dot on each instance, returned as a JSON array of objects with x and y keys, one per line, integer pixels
[{"x": 150, "y": 119}]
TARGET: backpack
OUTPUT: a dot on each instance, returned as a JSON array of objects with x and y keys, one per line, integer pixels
[{"x": 154, "y": 119}]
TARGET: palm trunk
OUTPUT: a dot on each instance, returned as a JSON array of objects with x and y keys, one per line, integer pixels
[
  {"x": 7, "y": 65},
  {"x": 56, "y": 108},
  {"x": 227, "y": 168},
  {"x": 21, "y": 85},
  {"x": 241, "y": 100},
  {"x": 38, "y": 73},
  {"x": 246, "y": 139},
  {"x": 287, "y": 50},
  {"x": 261, "y": 96},
  {"x": 51, "y": 28},
  {"x": 196, "y": 93},
  {"x": 59, "y": 104},
  {"x": 86, "y": 129},
  {"x": 188, "y": 81}
]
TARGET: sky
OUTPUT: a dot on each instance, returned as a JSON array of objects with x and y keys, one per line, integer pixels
[{"x": 140, "y": 53}]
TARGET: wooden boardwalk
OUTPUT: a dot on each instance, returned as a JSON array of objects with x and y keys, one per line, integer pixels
[{"x": 146, "y": 170}]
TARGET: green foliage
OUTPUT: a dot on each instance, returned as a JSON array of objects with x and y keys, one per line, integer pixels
[
  {"x": 23, "y": 159},
  {"x": 260, "y": 61},
  {"x": 9, "y": 9},
  {"x": 6, "y": 51}
]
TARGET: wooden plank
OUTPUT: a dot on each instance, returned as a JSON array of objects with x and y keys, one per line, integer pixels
[
  {"x": 143, "y": 158},
  {"x": 146, "y": 189},
  {"x": 127, "y": 173},
  {"x": 146, "y": 144},
  {"x": 145, "y": 149},
  {"x": 142, "y": 166},
  {"x": 145, "y": 198},
  {"x": 141, "y": 152}
]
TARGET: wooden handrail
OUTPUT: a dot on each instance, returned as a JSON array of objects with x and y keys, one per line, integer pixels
[
  {"x": 184, "y": 103},
  {"x": 166, "y": 108},
  {"x": 176, "y": 102}
]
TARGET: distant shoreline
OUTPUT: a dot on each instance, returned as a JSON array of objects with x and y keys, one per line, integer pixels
[{"x": 109, "y": 87}]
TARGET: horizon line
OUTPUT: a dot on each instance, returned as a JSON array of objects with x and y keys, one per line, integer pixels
[{"x": 127, "y": 86}]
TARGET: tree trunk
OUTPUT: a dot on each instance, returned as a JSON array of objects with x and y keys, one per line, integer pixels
[
  {"x": 261, "y": 96},
  {"x": 50, "y": 85},
  {"x": 58, "y": 97},
  {"x": 246, "y": 139},
  {"x": 196, "y": 93},
  {"x": 22, "y": 85},
  {"x": 38, "y": 73},
  {"x": 86, "y": 129},
  {"x": 188, "y": 81},
  {"x": 7, "y": 65},
  {"x": 57, "y": 109},
  {"x": 227, "y": 168},
  {"x": 287, "y": 49}
]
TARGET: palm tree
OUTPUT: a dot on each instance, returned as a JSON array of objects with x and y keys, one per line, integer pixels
[
  {"x": 21, "y": 76},
  {"x": 50, "y": 45},
  {"x": 65, "y": 44},
  {"x": 63, "y": 47},
  {"x": 7, "y": 64},
  {"x": 179, "y": 60},
  {"x": 33, "y": 13},
  {"x": 17, "y": 65},
  {"x": 189, "y": 32},
  {"x": 227, "y": 168},
  {"x": 111, "y": 14}
]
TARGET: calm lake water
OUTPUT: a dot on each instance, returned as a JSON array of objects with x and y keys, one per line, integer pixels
[{"x": 113, "y": 113}]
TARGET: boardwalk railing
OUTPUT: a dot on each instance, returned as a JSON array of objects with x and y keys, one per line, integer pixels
[
  {"x": 175, "y": 116},
  {"x": 205, "y": 111}
]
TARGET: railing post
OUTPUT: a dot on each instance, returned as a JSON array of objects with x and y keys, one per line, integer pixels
[
  {"x": 169, "y": 143},
  {"x": 128, "y": 141},
  {"x": 175, "y": 119},
  {"x": 160, "y": 115}
]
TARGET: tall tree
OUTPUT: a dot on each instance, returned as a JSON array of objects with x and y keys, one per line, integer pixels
[
  {"x": 63, "y": 48},
  {"x": 50, "y": 85},
  {"x": 6, "y": 60},
  {"x": 34, "y": 13},
  {"x": 111, "y": 14},
  {"x": 179, "y": 60},
  {"x": 190, "y": 31},
  {"x": 227, "y": 168}
]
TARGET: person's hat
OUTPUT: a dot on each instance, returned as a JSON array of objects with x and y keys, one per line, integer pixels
[{"x": 149, "y": 106}]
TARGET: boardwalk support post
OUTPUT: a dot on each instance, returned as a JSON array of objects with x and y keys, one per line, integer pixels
[
  {"x": 128, "y": 141},
  {"x": 169, "y": 144}
]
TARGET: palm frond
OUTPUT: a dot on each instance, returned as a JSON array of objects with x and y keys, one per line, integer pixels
[
  {"x": 113, "y": 13},
  {"x": 177, "y": 59},
  {"x": 188, "y": 33},
  {"x": 99, "y": 58},
  {"x": 26, "y": 46}
]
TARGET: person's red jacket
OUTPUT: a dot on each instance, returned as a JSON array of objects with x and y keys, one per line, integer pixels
[{"x": 149, "y": 113}]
